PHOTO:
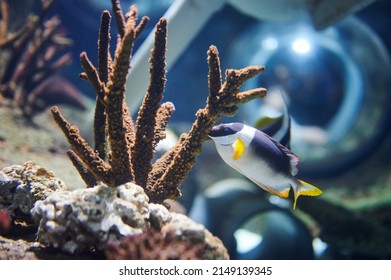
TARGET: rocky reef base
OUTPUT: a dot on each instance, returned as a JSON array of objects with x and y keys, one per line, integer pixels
[{"x": 50, "y": 221}]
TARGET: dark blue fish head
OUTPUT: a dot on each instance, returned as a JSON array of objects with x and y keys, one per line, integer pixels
[{"x": 225, "y": 129}]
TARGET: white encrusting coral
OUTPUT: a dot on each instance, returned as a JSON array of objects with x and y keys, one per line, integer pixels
[
  {"x": 22, "y": 185},
  {"x": 78, "y": 220}
]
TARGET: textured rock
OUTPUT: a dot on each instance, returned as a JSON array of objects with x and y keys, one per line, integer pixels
[
  {"x": 5, "y": 221},
  {"x": 82, "y": 219},
  {"x": 154, "y": 245},
  {"x": 18, "y": 249},
  {"x": 159, "y": 215},
  {"x": 188, "y": 230},
  {"x": 79, "y": 220},
  {"x": 22, "y": 185}
]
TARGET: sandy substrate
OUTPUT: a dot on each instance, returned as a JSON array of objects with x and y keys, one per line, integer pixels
[{"x": 39, "y": 140}]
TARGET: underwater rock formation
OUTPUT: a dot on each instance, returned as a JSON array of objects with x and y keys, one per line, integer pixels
[
  {"x": 187, "y": 230},
  {"x": 18, "y": 249},
  {"x": 23, "y": 185},
  {"x": 126, "y": 187},
  {"x": 123, "y": 151},
  {"x": 153, "y": 245},
  {"x": 78, "y": 220},
  {"x": 5, "y": 221},
  {"x": 30, "y": 61},
  {"x": 89, "y": 218}
]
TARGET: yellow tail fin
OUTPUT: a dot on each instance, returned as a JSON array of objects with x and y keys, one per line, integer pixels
[{"x": 305, "y": 188}]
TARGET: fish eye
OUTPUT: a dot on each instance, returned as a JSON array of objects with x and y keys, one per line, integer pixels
[{"x": 223, "y": 130}]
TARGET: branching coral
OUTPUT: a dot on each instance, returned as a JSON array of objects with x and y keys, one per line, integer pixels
[
  {"x": 223, "y": 100},
  {"x": 31, "y": 59},
  {"x": 131, "y": 147}
]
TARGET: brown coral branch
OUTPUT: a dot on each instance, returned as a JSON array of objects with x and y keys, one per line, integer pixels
[
  {"x": 246, "y": 96},
  {"x": 140, "y": 27},
  {"x": 59, "y": 63},
  {"x": 4, "y": 8},
  {"x": 19, "y": 44},
  {"x": 132, "y": 14},
  {"x": 159, "y": 194},
  {"x": 92, "y": 75},
  {"x": 103, "y": 46},
  {"x": 121, "y": 63},
  {"x": 119, "y": 17},
  {"x": 184, "y": 159},
  {"x": 33, "y": 60},
  {"x": 46, "y": 94},
  {"x": 119, "y": 138},
  {"x": 162, "y": 117},
  {"x": 234, "y": 79},
  {"x": 219, "y": 103},
  {"x": 214, "y": 77},
  {"x": 93, "y": 162},
  {"x": 83, "y": 76},
  {"x": 85, "y": 174},
  {"x": 20, "y": 39},
  {"x": 144, "y": 145},
  {"x": 120, "y": 124},
  {"x": 26, "y": 68},
  {"x": 45, "y": 6},
  {"x": 131, "y": 152},
  {"x": 100, "y": 132}
]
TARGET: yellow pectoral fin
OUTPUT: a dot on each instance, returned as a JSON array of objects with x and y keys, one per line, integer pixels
[{"x": 239, "y": 148}]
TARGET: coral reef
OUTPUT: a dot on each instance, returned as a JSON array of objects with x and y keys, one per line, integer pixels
[
  {"x": 22, "y": 186},
  {"x": 353, "y": 218},
  {"x": 188, "y": 230},
  {"x": 126, "y": 186},
  {"x": 153, "y": 245},
  {"x": 31, "y": 59},
  {"x": 5, "y": 221},
  {"x": 18, "y": 249},
  {"x": 78, "y": 220},
  {"x": 86, "y": 219},
  {"x": 123, "y": 152}
]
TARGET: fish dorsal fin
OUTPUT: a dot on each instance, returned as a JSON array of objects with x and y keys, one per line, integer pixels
[
  {"x": 239, "y": 148},
  {"x": 293, "y": 158}
]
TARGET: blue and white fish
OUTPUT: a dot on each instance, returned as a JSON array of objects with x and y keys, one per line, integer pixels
[{"x": 262, "y": 159}]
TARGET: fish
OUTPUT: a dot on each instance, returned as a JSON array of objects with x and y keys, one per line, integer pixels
[{"x": 262, "y": 159}]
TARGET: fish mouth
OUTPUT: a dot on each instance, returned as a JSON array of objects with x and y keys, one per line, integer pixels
[{"x": 226, "y": 145}]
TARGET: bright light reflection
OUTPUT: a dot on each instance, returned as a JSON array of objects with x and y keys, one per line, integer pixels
[
  {"x": 319, "y": 246},
  {"x": 269, "y": 43},
  {"x": 301, "y": 46},
  {"x": 246, "y": 240}
]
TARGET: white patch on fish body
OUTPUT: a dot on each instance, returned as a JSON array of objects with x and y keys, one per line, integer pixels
[
  {"x": 253, "y": 167},
  {"x": 239, "y": 151}
]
